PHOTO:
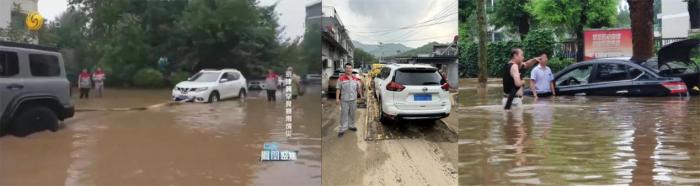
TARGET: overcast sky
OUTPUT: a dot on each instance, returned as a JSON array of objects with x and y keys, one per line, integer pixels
[
  {"x": 292, "y": 13},
  {"x": 374, "y": 21}
]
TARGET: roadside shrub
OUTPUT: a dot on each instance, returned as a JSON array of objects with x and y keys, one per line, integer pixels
[
  {"x": 498, "y": 55},
  {"x": 179, "y": 76},
  {"x": 468, "y": 59},
  {"x": 557, "y": 64},
  {"x": 148, "y": 78}
]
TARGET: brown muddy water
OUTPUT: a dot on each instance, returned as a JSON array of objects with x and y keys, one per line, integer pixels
[
  {"x": 578, "y": 140},
  {"x": 188, "y": 144}
]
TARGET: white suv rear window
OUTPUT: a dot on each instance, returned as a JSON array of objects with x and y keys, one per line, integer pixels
[{"x": 417, "y": 76}]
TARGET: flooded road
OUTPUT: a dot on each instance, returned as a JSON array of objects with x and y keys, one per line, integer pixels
[
  {"x": 577, "y": 140},
  {"x": 187, "y": 144}
]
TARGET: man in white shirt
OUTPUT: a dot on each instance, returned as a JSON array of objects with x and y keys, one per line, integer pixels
[{"x": 541, "y": 79}]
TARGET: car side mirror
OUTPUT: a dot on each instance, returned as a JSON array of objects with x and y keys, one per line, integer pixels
[
  {"x": 223, "y": 80},
  {"x": 189, "y": 79}
]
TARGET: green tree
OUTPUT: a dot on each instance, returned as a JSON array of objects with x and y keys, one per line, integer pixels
[
  {"x": 513, "y": 15},
  {"x": 572, "y": 16},
  {"x": 362, "y": 57}
]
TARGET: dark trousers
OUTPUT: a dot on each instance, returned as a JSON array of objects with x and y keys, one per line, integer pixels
[
  {"x": 546, "y": 94},
  {"x": 271, "y": 95},
  {"x": 84, "y": 92}
]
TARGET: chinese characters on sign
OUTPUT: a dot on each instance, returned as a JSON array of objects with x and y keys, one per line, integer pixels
[{"x": 607, "y": 43}]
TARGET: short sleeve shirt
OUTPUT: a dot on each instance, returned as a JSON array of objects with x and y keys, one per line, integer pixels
[
  {"x": 348, "y": 87},
  {"x": 542, "y": 76}
]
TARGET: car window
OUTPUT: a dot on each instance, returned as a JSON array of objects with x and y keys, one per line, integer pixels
[
  {"x": 577, "y": 76},
  {"x": 635, "y": 72},
  {"x": 611, "y": 72},
  {"x": 233, "y": 76},
  {"x": 413, "y": 76},
  {"x": 205, "y": 77},
  {"x": 42, "y": 65},
  {"x": 9, "y": 64}
]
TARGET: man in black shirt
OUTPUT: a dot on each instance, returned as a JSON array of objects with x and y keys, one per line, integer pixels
[{"x": 512, "y": 83}]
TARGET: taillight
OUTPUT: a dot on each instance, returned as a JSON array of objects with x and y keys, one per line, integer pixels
[
  {"x": 393, "y": 86},
  {"x": 445, "y": 86},
  {"x": 676, "y": 87}
]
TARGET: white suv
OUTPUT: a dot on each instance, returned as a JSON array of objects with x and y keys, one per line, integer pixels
[
  {"x": 412, "y": 92},
  {"x": 211, "y": 86}
]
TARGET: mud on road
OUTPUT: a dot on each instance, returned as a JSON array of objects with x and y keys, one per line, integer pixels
[{"x": 403, "y": 153}]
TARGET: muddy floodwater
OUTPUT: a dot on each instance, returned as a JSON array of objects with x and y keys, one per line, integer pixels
[
  {"x": 185, "y": 144},
  {"x": 577, "y": 140}
]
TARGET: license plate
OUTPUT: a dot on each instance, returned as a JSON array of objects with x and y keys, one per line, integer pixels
[
  {"x": 182, "y": 97},
  {"x": 422, "y": 97}
]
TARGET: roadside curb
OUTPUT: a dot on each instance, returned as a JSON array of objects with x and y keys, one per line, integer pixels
[{"x": 155, "y": 106}]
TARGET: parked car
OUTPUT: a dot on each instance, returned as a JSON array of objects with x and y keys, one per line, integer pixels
[
  {"x": 36, "y": 92},
  {"x": 412, "y": 92},
  {"x": 669, "y": 74},
  {"x": 256, "y": 85},
  {"x": 334, "y": 78},
  {"x": 313, "y": 77},
  {"x": 211, "y": 86}
]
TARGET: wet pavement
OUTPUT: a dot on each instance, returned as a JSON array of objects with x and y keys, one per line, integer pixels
[
  {"x": 416, "y": 153},
  {"x": 577, "y": 140},
  {"x": 187, "y": 144}
]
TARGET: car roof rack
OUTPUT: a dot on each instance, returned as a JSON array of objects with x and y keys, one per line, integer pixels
[{"x": 28, "y": 46}]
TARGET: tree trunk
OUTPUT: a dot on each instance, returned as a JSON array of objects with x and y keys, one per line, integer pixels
[
  {"x": 583, "y": 18},
  {"x": 524, "y": 27},
  {"x": 642, "y": 15},
  {"x": 481, "y": 27},
  {"x": 694, "y": 12}
]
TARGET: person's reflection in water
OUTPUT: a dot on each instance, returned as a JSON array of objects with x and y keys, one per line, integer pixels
[
  {"x": 542, "y": 111},
  {"x": 516, "y": 134}
]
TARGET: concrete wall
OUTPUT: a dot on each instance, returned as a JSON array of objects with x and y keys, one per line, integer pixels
[
  {"x": 675, "y": 21},
  {"x": 6, "y": 7}
]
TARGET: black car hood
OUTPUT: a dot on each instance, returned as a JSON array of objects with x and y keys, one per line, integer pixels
[{"x": 678, "y": 51}]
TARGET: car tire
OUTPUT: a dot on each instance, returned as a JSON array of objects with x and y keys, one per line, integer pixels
[
  {"x": 242, "y": 95},
  {"x": 31, "y": 118},
  {"x": 214, "y": 97},
  {"x": 382, "y": 118}
]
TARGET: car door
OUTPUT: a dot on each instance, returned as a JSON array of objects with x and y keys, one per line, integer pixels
[
  {"x": 238, "y": 84},
  {"x": 574, "y": 81},
  {"x": 611, "y": 79},
  {"x": 229, "y": 85},
  {"x": 10, "y": 82}
]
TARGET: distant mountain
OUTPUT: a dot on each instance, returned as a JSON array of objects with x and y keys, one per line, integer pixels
[
  {"x": 388, "y": 49},
  {"x": 425, "y": 49}
]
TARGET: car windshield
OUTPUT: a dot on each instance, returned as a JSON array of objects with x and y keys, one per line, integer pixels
[
  {"x": 205, "y": 77},
  {"x": 417, "y": 76}
]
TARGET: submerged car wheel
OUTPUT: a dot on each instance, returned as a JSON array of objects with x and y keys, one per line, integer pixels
[
  {"x": 214, "y": 97},
  {"x": 382, "y": 118},
  {"x": 242, "y": 95},
  {"x": 34, "y": 118}
]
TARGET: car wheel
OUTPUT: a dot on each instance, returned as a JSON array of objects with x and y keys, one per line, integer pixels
[
  {"x": 31, "y": 119},
  {"x": 242, "y": 95},
  {"x": 214, "y": 97},
  {"x": 382, "y": 118}
]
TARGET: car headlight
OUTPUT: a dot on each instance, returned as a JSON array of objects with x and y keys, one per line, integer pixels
[{"x": 200, "y": 89}]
